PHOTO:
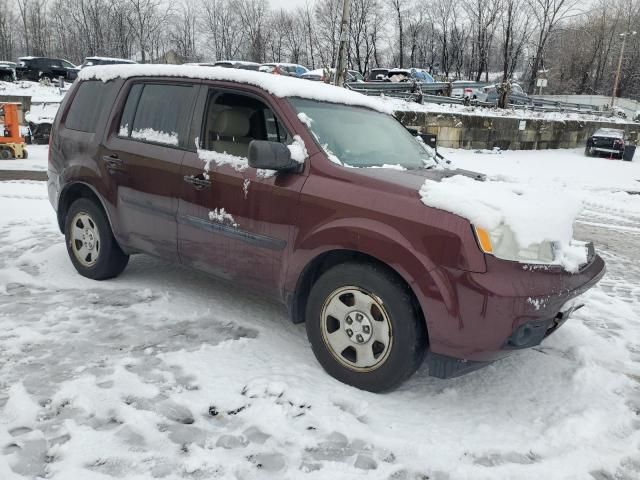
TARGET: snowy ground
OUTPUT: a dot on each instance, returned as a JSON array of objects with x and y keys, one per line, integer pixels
[
  {"x": 37, "y": 91},
  {"x": 167, "y": 373},
  {"x": 400, "y": 105},
  {"x": 36, "y": 160}
]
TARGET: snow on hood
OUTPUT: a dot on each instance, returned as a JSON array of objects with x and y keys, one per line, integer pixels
[
  {"x": 278, "y": 85},
  {"x": 534, "y": 214}
]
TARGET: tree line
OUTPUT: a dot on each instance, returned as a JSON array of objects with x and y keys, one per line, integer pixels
[{"x": 574, "y": 44}]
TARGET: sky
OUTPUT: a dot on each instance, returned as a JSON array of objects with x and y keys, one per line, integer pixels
[{"x": 288, "y": 4}]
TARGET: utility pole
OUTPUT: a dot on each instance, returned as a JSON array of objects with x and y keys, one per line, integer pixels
[
  {"x": 341, "y": 67},
  {"x": 615, "y": 83}
]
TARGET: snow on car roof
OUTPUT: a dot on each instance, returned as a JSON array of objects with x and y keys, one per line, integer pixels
[
  {"x": 278, "y": 85},
  {"x": 110, "y": 59},
  {"x": 609, "y": 132},
  {"x": 237, "y": 62},
  {"x": 284, "y": 64}
]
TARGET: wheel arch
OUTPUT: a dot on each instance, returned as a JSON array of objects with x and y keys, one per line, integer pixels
[
  {"x": 73, "y": 192},
  {"x": 328, "y": 259}
]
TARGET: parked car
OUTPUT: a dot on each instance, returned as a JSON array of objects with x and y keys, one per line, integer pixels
[
  {"x": 606, "y": 141},
  {"x": 38, "y": 68},
  {"x": 292, "y": 69},
  {"x": 408, "y": 74},
  {"x": 472, "y": 93},
  {"x": 93, "y": 61},
  {"x": 320, "y": 75},
  {"x": 39, "y": 119},
  {"x": 275, "y": 192},
  {"x": 378, "y": 75},
  {"x": 7, "y": 71},
  {"x": 236, "y": 64},
  {"x": 517, "y": 96}
]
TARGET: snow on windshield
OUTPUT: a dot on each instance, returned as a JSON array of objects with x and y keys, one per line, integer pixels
[{"x": 278, "y": 85}]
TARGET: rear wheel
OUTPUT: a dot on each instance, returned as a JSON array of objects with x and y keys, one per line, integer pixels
[
  {"x": 364, "y": 328},
  {"x": 5, "y": 154},
  {"x": 91, "y": 245}
]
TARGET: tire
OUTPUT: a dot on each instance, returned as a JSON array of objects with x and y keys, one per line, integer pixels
[
  {"x": 587, "y": 151},
  {"x": 5, "y": 154},
  {"x": 390, "y": 310},
  {"x": 101, "y": 257},
  {"x": 25, "y": 154}
]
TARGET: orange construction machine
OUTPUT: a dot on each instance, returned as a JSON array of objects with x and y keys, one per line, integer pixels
[{"x": 12, "y": 145}]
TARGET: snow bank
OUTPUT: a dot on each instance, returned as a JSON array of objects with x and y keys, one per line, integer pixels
[
  {"x": 277, "y": 85},
  {"x": 399, "y": 105},
  {"x": 534, "y": 214},
  {"x": 42, "y": 113}
]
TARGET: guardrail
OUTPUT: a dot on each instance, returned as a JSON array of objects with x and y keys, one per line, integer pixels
[{"x": 440, "y": 93}]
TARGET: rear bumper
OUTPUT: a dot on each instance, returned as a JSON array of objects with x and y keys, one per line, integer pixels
[
  {"x": 606, "y": 150},
  {"x": 481, "y": 317}
]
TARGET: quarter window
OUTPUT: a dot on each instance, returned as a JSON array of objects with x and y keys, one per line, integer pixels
[{"x": 87, "y": 105}]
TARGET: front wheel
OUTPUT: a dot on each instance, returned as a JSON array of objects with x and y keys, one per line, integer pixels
[
  {"x": 364, "y": 328},
  {"x": 91, "y": 245}
]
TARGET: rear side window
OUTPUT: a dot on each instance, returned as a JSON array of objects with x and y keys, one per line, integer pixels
[
  {"x": 157, "y": 113},
  {"x": 87, "y": 105}
]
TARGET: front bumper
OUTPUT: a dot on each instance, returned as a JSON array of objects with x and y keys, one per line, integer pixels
[{"x": 481, "y": 317}]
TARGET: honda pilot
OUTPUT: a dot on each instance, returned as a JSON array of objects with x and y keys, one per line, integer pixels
[{"x": 274, "y": 184}]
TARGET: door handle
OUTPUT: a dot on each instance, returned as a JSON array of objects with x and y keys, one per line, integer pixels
[
  {"x": 198, "y": 181},
  {"x": 113, "y": 163}
]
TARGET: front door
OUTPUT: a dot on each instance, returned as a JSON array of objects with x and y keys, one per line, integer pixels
[
  {"x": 142, "y": 157},
  {"x": 235, "y": 221}
]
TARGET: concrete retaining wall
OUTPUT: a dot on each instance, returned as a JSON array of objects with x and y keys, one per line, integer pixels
[{"x": 475, "y": 132}]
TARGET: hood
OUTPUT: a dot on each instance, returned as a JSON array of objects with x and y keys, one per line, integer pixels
[{"x": 414, "y": 179}]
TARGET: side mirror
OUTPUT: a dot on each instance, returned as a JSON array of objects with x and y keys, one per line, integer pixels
[{"x": 270, "y": 156}]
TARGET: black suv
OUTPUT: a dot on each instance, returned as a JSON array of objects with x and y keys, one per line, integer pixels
[
  {"x": 37, "y": 68},
  {"x": 7, "y": 71}
]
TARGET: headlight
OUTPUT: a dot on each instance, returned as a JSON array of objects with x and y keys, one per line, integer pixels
[{"x": 501, "y": 243}]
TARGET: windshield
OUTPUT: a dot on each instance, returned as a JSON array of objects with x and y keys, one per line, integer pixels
[{"x": 359, "y": 137}]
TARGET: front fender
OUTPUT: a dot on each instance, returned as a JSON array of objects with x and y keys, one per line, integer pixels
[{"x": 385, "y": 244}]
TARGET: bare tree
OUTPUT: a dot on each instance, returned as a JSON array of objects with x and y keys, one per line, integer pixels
[
  {"x": 484, "y": 16},
  {"x": 516, "y": 31},
  {"x": 253, "y": 14},
  {"x": 221, "y": 26},
  {"x": 7, "y": 21},
  {"x": 184, "y": 31},
  {"x": 365, "y": 24},
  {"x": 328, "y": 14},
  {"x": 398, "y": 10},
  {"x": 146, "y": 19},
  {"x": 547, "y": 14}
]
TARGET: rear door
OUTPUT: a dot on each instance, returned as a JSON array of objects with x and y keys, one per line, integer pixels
[
  {"x": 142, "y": 157},
  {"x": 235, "y": 221}
]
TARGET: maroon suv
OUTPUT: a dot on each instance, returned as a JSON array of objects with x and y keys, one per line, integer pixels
[{"x": 270, "y": 183}]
